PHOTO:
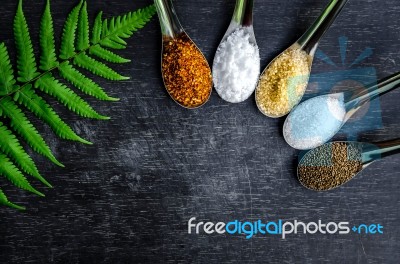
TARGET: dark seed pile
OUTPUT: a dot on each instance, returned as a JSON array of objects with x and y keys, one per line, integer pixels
[{"x": 330, "y": 165}]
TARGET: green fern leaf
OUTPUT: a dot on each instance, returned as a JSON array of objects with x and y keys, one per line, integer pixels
[
  {"x": 82, "y": 42},
  {"x": 104, "y": 28},
  {"x": 43, "y": 111},
  {"x": 83, "y": 83},
  {"x": 11, "y": 146},
  {"x": 105, "y": 41},
  {"x": 75, "y": 47},
  {"x": 4, "y": 200},
  {"x": 112, "y": 25},
  {"x": 107, "y": 55},
  {"x": 48, "y": 59},
  {"x": 68, "y": 37},
  {"x": 7, "y": 80},
  {"x": 14, "y": 175},
  {"x": 26, "y": 58},
  {"x": 20, "y": 123},
  {"x": 96, "y": 31},
  {"x": 108, "y": 43},
  {"x": 66, "y": 96},
  {"x": 98, "y": 68},
  {"x": 123, "y": 26}
]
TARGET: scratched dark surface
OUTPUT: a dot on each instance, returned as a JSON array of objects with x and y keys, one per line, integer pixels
[{"x": 154, "y": 165}]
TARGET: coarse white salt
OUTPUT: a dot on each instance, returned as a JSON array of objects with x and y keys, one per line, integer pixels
[{"x": 236, "y": 66}]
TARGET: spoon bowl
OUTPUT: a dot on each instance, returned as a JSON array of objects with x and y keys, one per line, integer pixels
[
  {"x": 336, "y": 163},
  {"x": 185, "y": 70},
  {"x": 290, "y": 69},
  {"x": 236, "y": 65},
  {"x": 315, "y": 121}
]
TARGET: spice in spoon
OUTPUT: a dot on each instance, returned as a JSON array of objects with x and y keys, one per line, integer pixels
[
  {"x": 186, "y": 73},
  {"x": 282, "y": 84},
  {"x": 314, "y": 121},
  {"x": 330, "y": 165},
  {"x": 236, "y": 66}
]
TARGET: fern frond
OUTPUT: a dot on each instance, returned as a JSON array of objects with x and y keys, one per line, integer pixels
[
  {"x": 14, "y": 175},
  {"x": 48, "y": 58},
  {"x": 7, "y": 80},
  {"x": 107, "y": 55},
  {"x": 26, "y": 63},
  {"x": 67, "y": 49},
  {"x": 98, "y": 68},
  {"x": 20, "y": 123},
  {"x": 11, "y": 146},
  {"x": 66, "y": 96},
  {"x": 82, "y": 41},
  {"x": 4, "y": 200},
  {"x": 77, "y": 47},
  {"x": 83, "y": 83},
  {"x": 43, "y": 111},
  {"x": 123, "y": 26},
  {"x": 96, "y": 31}
]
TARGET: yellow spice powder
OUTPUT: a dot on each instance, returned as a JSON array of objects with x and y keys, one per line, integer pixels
[{"x": 284, "y": 82}]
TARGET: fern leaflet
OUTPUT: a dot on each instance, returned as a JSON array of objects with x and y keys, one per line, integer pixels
[
  {"x": 68, "y": 37},
  {"x": 42, "y": 110},
  {"x": 4, "y": 200},
  {"x": 82, "y": 42},
  {"x": 97, "y": 67},
  {"x": 96, "y": 35},
  {"x": 11, "y": 172},
  {"x": 67, "y": 97},
  {"x": 83, "y": 83},
  {"x": 107, "y": 55},
  {"x": 48, "y": 59},
  {"x": 7, "y": 80},
  {"x": 11, "y": 146},
  {"x": 20, "y": 123},
  {"x": 26, "y": 59}
]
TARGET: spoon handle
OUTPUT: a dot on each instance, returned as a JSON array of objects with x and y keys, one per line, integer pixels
[
  {"x": 169, "y": 22},
  {"x": 384, "y": 86},
  {"x": 380, "y": 150},
  {"x": 243, "y": 14},
  {"x": 309, "y": 41},
  {"x": 388, "y": 148}
]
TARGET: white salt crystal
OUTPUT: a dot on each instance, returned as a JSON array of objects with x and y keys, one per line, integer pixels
[{"x": 236, "y": 67}]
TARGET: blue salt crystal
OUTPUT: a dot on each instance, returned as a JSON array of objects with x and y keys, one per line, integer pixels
[{"x": 315, "y": 121}]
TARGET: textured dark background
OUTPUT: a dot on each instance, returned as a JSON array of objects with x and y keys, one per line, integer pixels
[{"x": 154, "y": 165}]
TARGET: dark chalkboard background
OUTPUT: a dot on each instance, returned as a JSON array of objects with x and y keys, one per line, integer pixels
[{"x": 154, "y": 165}]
